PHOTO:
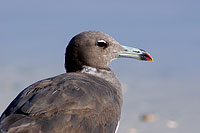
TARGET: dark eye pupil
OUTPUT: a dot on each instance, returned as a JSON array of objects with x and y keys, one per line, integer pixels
[{"x": 102, "y": 44}]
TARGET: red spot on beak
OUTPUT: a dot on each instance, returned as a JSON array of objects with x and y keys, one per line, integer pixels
[{"x": 149, "y": 57}]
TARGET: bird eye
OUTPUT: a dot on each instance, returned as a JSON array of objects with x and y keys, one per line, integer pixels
[{"x": 102, "y": 43}]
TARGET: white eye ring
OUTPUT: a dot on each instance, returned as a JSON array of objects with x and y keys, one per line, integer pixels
[{"x": 102, "y": 41}]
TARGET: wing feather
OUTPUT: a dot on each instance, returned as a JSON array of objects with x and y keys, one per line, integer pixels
[{"x": 66, "y": 103}]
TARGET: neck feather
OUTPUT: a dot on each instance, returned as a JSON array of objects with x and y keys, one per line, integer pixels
[{"x": 107, "y": 75}]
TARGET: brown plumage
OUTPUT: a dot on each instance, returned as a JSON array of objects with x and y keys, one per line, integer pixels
[
  {"x": 65, "y": 104},
  {"x": 87, "y": 99}
]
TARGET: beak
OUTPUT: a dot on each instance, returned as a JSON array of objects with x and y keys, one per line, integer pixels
[{"x": 135, "y": 53}]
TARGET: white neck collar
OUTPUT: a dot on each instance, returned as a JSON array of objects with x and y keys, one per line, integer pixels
[{"x": 104, "y": 74}]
